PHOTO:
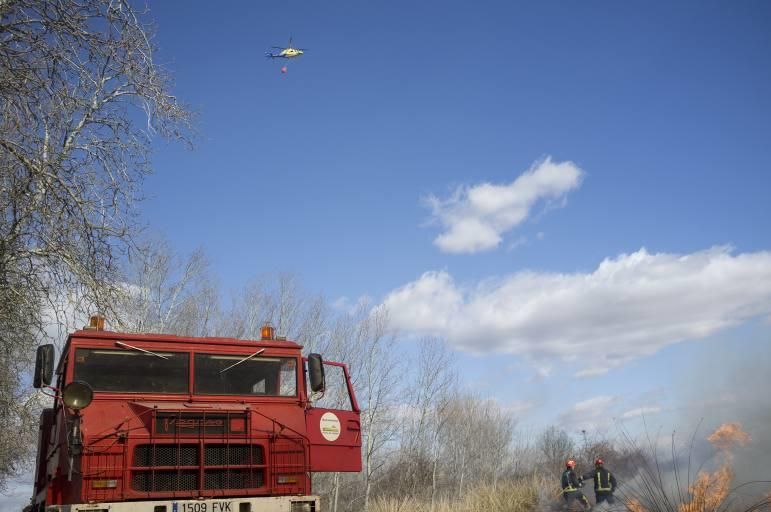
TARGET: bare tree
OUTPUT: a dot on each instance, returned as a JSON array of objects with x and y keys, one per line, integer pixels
[
  {"x": 555, "y": 446},
  {"x": 280, "y": 300},
  {"x": 73, "y": 76},
  {"x": 18, "y": 417},
  {"x": 430, "y": 395},
  {"x": 165, "y": 293},
  {"x": 313, "y": 330},
  {"x": 250, "y": 308},
  {"x": 361, "y": 340},
  {"x": 477, "y": 440},
  {"x": 376, "y": 375},
  {"x": 495, "y": 431},
  {"x": 524, "y": 452}
]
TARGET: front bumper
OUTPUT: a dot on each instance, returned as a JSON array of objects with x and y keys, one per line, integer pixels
[{"x": 262, "y": 504}]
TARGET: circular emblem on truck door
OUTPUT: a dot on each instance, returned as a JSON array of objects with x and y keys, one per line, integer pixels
[{"x": 330, "y": 426}]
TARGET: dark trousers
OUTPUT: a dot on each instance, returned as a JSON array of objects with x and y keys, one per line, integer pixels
[
  {"x": 570, "y": 496},
  {"x": 601, "y": 496}
]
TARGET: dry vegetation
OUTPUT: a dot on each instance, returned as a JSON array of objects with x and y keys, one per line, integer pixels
[{"x": 520, "y": 495}]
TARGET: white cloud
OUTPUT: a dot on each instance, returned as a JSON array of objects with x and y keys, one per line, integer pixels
[
  {"x": 476, "y": 217},
  {"x": 346, "y": 305},
  {"x": 426, "y": 305},
  {"x": 629, "y": 307},
  {"x": 641, "y": 411},
  {"x": 588, "y": 414}
]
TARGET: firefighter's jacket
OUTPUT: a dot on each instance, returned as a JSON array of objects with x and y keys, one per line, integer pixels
[
  {"x": 570, "y": 481},
  {"x": 604, "y": 481}
]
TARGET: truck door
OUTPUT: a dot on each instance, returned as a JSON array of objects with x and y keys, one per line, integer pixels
[{"x": 333, "y": 424}]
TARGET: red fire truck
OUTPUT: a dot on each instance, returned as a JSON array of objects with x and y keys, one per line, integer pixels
[{"x": 160, "y": 423}]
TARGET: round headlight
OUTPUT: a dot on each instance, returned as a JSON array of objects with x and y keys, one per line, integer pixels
[{"x": 77, "y": 395}]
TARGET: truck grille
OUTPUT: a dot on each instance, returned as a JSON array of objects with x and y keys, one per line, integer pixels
[
  {"x": 172, "y": 467},
  {"x": 166, "y": 455},
  {"x": 233, "y": 479},
  {"x": 232, "y": 455},
  {"x": 164, "y": 481}
]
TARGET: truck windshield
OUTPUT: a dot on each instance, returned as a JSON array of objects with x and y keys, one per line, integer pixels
[
  {"x": 132, "y": 371},
  {"x": 269, "y": 376}
]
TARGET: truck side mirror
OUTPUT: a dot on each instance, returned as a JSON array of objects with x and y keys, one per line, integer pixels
[
  {"x": 44, "y": 366},
  {"x": 316, "y": 373}
]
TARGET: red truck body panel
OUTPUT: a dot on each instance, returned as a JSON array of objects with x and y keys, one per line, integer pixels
[{"x": 151, "y": 446}]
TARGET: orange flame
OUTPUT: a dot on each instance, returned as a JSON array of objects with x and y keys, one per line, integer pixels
[
  {"x": 634, "y": 505},
  {"x": 709, "y": 490},
  {"x": 728, "y": 435}
]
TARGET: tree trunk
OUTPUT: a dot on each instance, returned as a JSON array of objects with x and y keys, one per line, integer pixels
[
  {"x": 433, "y": 474},
  {"x": 336, "y": 492},
  {"x": 462, "y": 475}
]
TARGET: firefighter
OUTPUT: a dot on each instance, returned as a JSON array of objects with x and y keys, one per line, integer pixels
[
  {"x": 571, "y": 485},
  {"x": 604, "y": 483}
]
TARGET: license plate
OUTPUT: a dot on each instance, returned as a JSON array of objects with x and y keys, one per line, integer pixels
[{"x": 205, "y": 506}]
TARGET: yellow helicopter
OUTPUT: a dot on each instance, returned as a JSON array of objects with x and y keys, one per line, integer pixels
[{"x": 286, "y": 52}]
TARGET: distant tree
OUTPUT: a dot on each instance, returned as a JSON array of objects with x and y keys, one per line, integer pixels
[
  {"x": 377, "y": 378},
  {"x": 477, "y": 439},
  {"x": 429, "y": 396},
  {"x": 75, "y": 80},
  {"x": 280, "y": 300},
  {"x": 165, "y": 293},
  {"x": 525, "y": 457},
  {"x": 555, "y": 446}
]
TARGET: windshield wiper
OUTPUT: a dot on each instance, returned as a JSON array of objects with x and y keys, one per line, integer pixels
[
  {"x": 243, "y": 360},
  {"x": 140, "y": 349}
]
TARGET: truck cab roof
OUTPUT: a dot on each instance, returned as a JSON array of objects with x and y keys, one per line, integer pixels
[{"x": 172, "y": 338}]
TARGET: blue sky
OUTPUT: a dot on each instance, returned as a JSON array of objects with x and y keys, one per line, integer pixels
[{"x": 660, "y": 112}]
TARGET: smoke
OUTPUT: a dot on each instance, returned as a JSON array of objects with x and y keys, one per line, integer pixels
[
  {"x": 715, "y": 448},
  {"x": 732, "y": 399},
  {"x": 666, "y": 485},
  {"x": 712, "y": 451}
]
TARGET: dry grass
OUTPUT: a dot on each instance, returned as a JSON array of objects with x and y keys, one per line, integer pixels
[{"x": 522, "y": 495}]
